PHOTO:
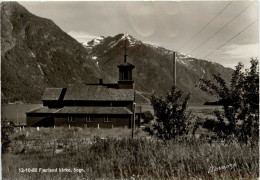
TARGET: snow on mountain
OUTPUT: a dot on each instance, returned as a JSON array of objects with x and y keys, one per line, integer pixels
[
  {"x": 85, "y": 44},
  {"x": 98, "y": 40},
  {"x": 112, "y": 42},
  {"x": 94, "y": 57},
  {"x": 154, "y": 64},
  {"x": 94, "y": 42},
  {"x": 132, "y": 41}
]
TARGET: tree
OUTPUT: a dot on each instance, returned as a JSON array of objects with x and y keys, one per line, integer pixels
[
  {"x": 171, "y": 118},
  {"x": 240, "y": 101}
]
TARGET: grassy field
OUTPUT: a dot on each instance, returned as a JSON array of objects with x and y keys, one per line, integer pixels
[
  {"x": 138, "y": 158},
  {"x": 113, "y": 154},
  {"x": 74, "y": 133}
]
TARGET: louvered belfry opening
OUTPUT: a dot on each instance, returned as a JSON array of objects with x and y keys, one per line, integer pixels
[{"x": 125, "y": 73}]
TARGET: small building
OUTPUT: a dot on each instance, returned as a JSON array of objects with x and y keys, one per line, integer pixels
[{"x": 89, "y": 105}]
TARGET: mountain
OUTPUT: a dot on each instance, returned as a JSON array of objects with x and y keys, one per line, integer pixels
[
  {"x": 153, "y": 66},
  {"x": 36, "y": 53}
]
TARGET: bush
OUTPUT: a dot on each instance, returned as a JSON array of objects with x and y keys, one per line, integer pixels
[
  {"x": 7, "y": 130},
  {"x": 171, "y": 118},
  {"x": 240, "y": 101},
  {"x": 147, "y": 117}
]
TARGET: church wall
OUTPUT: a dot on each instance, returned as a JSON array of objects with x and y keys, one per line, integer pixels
[{"x": 115, "y": 120}]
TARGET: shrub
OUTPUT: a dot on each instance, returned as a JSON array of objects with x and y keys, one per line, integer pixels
[
  {"x": 171, "y": 118},
  {"x": 7, "y": 130},
  {"x": 147, "y": 117}
]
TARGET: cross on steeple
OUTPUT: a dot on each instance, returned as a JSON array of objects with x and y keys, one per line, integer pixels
[{"x": 125, "y": 51}]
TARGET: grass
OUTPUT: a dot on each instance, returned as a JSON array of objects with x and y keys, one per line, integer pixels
[
  {"x": 120, "y": 157},
  {"x": 138, "y": 158},
  {"x": 73, "y": 133}
]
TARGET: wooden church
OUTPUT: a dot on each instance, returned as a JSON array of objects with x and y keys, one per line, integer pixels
[{"x": 89, "y": 105}]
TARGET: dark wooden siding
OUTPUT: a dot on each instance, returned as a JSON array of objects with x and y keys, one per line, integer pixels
[
  {"x": 115, "y": 121},
  {"x": 125, "y": 85}
]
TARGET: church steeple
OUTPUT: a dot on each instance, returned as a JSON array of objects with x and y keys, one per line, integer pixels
[{"x": 125, "y": 73}]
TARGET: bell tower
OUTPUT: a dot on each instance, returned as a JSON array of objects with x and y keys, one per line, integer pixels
[{"x": 125, "y": 74}]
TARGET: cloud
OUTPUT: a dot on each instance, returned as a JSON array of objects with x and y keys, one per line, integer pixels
[
  {"x": 234, "y": 53},
  {"x": 152, "y": 43},
  {"x": 81, "y": 36},
  {"x": 242, "y": 50}
]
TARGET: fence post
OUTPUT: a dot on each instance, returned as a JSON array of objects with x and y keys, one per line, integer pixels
[
  {"x": 98, "y": 126},
  {"x": 133, "y": 121}
]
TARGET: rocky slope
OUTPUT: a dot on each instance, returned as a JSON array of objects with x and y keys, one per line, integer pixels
[{"x": 36, "y": 53}]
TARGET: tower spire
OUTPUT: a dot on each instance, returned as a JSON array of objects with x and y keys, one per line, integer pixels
[{"x": 125, "y": 51}]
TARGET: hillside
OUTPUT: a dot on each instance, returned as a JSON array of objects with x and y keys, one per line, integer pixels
[
  {"x": 36, "y": 54},
  {"x": 153, "y": 65}
]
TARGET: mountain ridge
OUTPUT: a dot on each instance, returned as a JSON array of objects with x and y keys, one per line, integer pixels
[
  {"x": 158, "y": 62},
  {"x": 37, "y": 54}
]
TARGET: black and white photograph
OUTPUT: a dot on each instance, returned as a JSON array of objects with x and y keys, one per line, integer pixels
[{"x": 130, "y": 90}]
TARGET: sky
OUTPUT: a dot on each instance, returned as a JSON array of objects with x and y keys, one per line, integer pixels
[{"x": 225, "y": 32}]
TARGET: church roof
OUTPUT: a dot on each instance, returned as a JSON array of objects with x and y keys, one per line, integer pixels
[
  {"x": 93, "y": 110},
  {"x": 44, "y": 110},
  {"x": 98, "y": 93},
  {"x": 81, "y": 110},
  {"x": 51, "y": 94},
  {"x": 126, "y": 64}
]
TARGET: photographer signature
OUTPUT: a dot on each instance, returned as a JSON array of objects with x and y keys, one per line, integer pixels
[{"x": 214, "y": 168}]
